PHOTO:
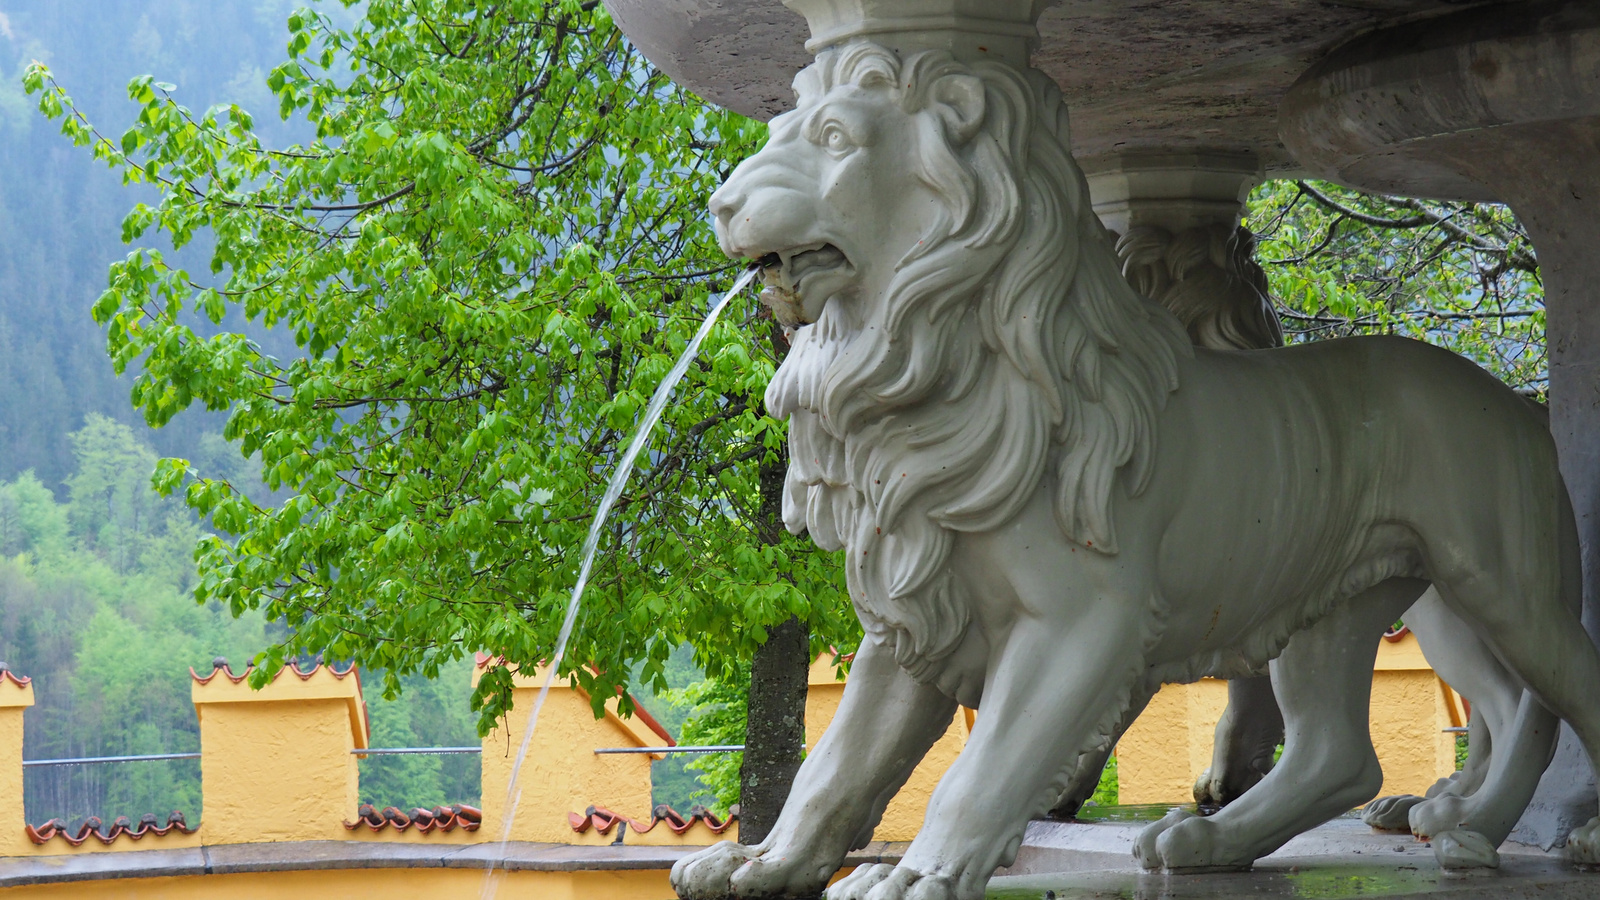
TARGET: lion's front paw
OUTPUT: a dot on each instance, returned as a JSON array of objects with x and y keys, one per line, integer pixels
[
  {"x": 887, "y": 882},
  {"x": 1200, "y": 845},
  {"x": 1390, "y": 814},
  {"x": 708, "y": 875},
  {"x": 1459, "y": 848},
  {"x": 1144, "y": 846},
  {"x": 1443, "y": 813},
  {"x": 727, "y": 871},
  {"x": 1583, "y": 845}
]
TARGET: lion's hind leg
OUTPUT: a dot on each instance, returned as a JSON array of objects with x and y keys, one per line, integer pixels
[
  {"x": 1487, "y": 798},
  {"x": 1463, "y": 660},
  {"x": 1323, "y": 681},
  {"x": 1542, "y": 641}
]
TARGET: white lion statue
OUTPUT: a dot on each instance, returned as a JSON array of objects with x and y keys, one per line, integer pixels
[{"x": 1051, "y": 503}]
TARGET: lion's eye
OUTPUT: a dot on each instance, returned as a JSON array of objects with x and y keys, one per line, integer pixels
[{"x": 834, "y": 139}]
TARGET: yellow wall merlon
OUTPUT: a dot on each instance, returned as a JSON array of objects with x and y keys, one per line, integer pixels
[
  {"x": 16, "y": 695},
  {"x": 635, "y": 729},
  {"x": 277, "y": 764},
  {"x": 562, "y": 774}
]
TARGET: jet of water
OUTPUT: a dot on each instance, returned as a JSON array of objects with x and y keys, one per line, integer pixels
[{"x": 619, "y": 480}]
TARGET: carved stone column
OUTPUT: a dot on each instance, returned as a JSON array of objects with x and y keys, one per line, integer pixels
[
  {"x": 1176, "y": 218},
  {"x": 1499, "y": 103},
  {"x": 1176, "y": 191}
]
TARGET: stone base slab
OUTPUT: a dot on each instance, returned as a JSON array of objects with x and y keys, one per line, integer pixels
[{"x": 1342, "y": 859}]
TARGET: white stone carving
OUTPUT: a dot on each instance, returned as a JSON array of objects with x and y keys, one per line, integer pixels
[
  {"x": 1050, "y": 503},
  {"x": 1206, "y": 275}
]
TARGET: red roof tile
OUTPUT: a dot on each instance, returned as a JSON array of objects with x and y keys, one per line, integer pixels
[
  {"x": 440, "y": 818},
  {"x": 603, "y": 820},
  {"x": 95, "y": 828},
  {"x": 305, "y": 675}
]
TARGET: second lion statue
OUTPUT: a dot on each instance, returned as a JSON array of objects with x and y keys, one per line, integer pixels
[{"x": 1050, "y": 503}]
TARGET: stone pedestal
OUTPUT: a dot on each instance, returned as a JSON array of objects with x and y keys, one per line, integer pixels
[{"x": 1497, "y": 103}]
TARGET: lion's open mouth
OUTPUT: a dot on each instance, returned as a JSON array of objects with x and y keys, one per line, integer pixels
[
  {"x": 795, "y": 284},
  {"x": 800, "y": 263}
]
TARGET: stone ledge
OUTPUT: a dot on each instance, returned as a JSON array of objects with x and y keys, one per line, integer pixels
[
  {"x": 220, "y": 859},
  {"x": 17, "y": 871}
]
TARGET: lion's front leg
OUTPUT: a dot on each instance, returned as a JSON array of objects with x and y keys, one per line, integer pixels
[
  {"x": 1050, "y": 694},
  {"x": 885, "y": 724}
]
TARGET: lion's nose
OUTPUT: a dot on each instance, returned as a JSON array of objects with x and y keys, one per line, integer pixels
[{"x": 725, "y": 201}]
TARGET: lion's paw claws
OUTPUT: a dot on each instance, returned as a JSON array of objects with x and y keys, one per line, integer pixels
[
  {"x": 1390, "y": 814},
  {"x": 1443, "y": 813},
  {"x": 889, "y": 882},
  {"x": 1192, "y": 845},
  {"x": 1144, "y": 846},
  {"x": 708, "y": 874},
  {"x": 1583, "y": 844}
]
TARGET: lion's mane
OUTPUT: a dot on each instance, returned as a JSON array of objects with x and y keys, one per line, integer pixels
[
  {"x": 1006, "y": 350},
  {"x": 1208, "y": 277}
]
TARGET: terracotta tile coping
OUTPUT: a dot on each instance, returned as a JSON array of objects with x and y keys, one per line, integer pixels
[
  {"x": 94, "y": 827},
  {"x": 289, "y": 856},
  {"x": 305, "y": 675},
  {"x": 603, "y": 820},
  {"x": 440, "y": 818}
]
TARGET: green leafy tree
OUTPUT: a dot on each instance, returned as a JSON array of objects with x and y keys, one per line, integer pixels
[
  {"x": 488, "y": 258},
  {"x": 1460, "y": 275},
  {"x": 716, "y": 717}
]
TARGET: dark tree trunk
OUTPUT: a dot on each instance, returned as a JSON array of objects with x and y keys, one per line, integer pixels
[
  {"x": 775, "y": 728},
  {"x": 776, "y": 718}
]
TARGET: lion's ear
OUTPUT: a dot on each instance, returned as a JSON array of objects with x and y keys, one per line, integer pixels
[{"x": 960, "y": 100}]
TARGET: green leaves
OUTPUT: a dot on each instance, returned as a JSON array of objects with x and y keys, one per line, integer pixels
[
  {"x": 1461, "y": 275},
  {"x": 488, "y": 258}
]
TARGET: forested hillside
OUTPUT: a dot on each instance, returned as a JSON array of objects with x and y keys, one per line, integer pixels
[
  {"x": 60, "y": 211},
  {"x": 95, "y": 569}
]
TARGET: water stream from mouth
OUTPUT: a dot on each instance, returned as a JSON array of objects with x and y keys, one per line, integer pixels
[{"x": 591, "y": 544}]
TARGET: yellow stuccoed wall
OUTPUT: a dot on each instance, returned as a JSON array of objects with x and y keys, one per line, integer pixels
[
  {"x": 275, "y": 764},
  {"x": 562, "y": 774},
  {"x": 903, "y": 819},
  {"x": 1411, "y": 708},
  {"x": 1169, "y": 745},
  {"x": 1162, "y": 755},
  {"x": 16, "y": 695}
]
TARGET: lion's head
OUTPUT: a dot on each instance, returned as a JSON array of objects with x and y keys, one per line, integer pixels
[{"x": 972, "y": 331}]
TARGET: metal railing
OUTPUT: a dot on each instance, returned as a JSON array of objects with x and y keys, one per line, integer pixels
[
  {"x": 90, "y": 760},
  {"x": 715, "y": 748},
  {"x": 396, "y": 751},
  {"x": 372, "y": 751}
]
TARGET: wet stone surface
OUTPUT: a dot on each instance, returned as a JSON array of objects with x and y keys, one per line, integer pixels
[{"x": 1342, "y": 859}]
